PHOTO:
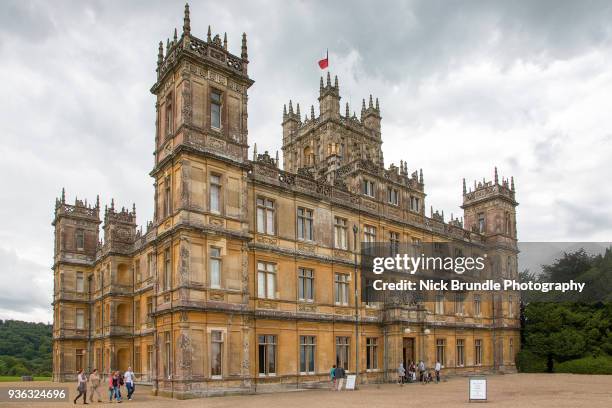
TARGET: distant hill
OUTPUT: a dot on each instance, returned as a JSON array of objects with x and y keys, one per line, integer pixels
[{"x": 25, "y": 348}]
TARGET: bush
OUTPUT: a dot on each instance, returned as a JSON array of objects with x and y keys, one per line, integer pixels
[
  {"x": 586, "y": 365},
  {"x": 528, "y": 362}
]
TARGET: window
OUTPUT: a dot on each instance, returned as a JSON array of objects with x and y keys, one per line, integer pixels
[
  {"x": 216, "y": 353},
  {"x": 369, "y": 234},
  {"x": 368, "y": 188},
  {"x": 137, "y": 270},
  {"x": 149, "y": 308},
  {"x": 371, "y": 353},
  {"x": 215, "y": 193},
  {"x": 415, "y": 204},
  {"x": 340, "y": 230},
  {"x": 149, "y": 265},
  {"x": 392, "y": 196},
  {"x": 510, "y": 306},
  {"x": 169, "y": 115},
  {"x": 439, "y": 304},
  {"x": 150, "y": 359},
  {"x": 342, "y": 352},
  {"x": 98, "y": 362},
  {"x": 80, "y": 319},
  {"x": 215, "y": 109},
  {"x": 305, "y": 284},
  {"x": 460, "y": 353},
  {"x": 137, "y": 312},
  {"x": 478, "y": 352},
  {"x": 168, "y": 355},
  {"x": 266, "y": 280},
  {"x": 215, "y": 267},
  {"x": 167, "y": 196},
  {"x": 394, "y": 241},
  {"x": 341, "y": 288},
  {"x": 481, "y": 223},
  {"x": 80, "y": 282},
  {"x": 80, "y": 239},
  {"x": 477, "y": 305},
  {"x": 80, "y": 359},
  {"x": 167, "y": 270},
  {"x": 137, "y": 359},
  {"x": 98, "y": 320},
  {"x": 307, "y": 354},
  {"x": 440, "y": 351},
  {"x": 304, "y": 220},
  {"x": 459, "y": 298},
  {"x": 267, "y": 354},
  {"x": 265, "y": 216}
]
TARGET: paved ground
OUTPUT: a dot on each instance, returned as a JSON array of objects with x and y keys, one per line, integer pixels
[{"x": 511, "y": 390}]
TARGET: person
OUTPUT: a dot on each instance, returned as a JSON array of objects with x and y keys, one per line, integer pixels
[
  {"x": 413, "y": 371},
  {"x": 114, "y": 387},
  {"x": 401, "y": 373},
  {"x": 339, "y": 377},
  {"x": 128, "y": 376},
  {"x": 120, "y": 381},
  {"x": 332, "y": 377},
  {"x": 111, "y": 389},
  {"x": 437, "y": 369},
  {"x": 421, "y": 371},
  {"x": 94, "y": 381},
  {"x": 81, "y": 386}
]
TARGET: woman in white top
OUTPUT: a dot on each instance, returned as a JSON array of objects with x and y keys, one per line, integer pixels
[{"x": 81, "y": 387}]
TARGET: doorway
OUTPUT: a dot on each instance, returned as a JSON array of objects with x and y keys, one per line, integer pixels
[{"x": 408, "y": 351}]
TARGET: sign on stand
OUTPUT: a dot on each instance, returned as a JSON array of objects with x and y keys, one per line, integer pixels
[
  {"x": 350, "y": 382},
  {"x": 478, "y": 389}
]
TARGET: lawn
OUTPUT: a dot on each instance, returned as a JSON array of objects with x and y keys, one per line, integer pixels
[{"x": 18, "y": 378}]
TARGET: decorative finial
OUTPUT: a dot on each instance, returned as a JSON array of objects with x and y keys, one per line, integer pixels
[
  {"x": 186, "y": 21},
  {"x": 63, "y": 195},
  {"x": 328, "y": 79},
  {"x": 512, "y": 183},
  {"x": 290, "y": 108},
  {"x": 431, "y": 210},
  {"x": 134, "y": 208},
  {"x": 160, "y": 54},
  {"x": 112, "y": 207},
  {"x": 225, "y": 41},
  {"x": 370, "y": 105},
  {"x": 167, "y": 46},
  {"x": 277, "y": 161},
  {"x": 421, "y": 176},
  {"x": 208, "y": 35},
  {"x": 347, "y": 113},
  {"x": 312, "y": 111},
  {"x": 244, "y": 54},
  {"x": 321, "y": 84},
  {"x": 496, "y": 177},
  {"x": 255, "y": 152},
  {"x": 363, "y": 107},
  {"x": 284, "y": 110},
  {"x": 175, "y": 35},
  {"x": 377, "y": 106},
  {"x": 464, "y": 187},
  {"x": 297, "y": 111},
  {"x": 336, "y": 81},
  {"x": 98, "y": 201}
]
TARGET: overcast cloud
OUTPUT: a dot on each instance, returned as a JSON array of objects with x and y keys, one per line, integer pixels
[{"x": 463, "y": 86}]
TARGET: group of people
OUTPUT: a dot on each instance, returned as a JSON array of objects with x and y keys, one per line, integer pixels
[
  {"x": 337, "y": 376},
  {"x": 116, "y": 380},
  {"x": 425, "y": 375}
]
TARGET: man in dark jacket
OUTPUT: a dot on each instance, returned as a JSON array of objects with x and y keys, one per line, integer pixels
[{"x": 340, "y": 375}]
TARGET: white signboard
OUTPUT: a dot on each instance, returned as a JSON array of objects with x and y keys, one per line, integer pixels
[
  {"x": 478, "y": 389},
  {"x": 350, "y": 382}
]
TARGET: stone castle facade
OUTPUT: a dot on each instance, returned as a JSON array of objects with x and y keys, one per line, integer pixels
[{"x": 247, "y": 278}]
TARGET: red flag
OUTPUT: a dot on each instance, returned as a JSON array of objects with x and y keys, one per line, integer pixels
[{"x": 324, "y": 63}]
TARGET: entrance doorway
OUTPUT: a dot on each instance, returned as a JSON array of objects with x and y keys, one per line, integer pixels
[{"x": 408, "y": 351}]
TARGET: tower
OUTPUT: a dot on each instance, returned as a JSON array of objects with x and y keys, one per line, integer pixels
[
  {"x": 490, "y": 209},
  {"x": 76, "y": 241}
]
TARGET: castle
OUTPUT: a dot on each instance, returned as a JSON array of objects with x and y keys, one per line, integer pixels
[{"x": 247, "y": 279}]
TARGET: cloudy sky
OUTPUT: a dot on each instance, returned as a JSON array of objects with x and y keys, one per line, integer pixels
[{"x": 463, "y": 86}]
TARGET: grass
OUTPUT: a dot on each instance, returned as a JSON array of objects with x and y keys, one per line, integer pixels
[{"x": 9, "y": 378}]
